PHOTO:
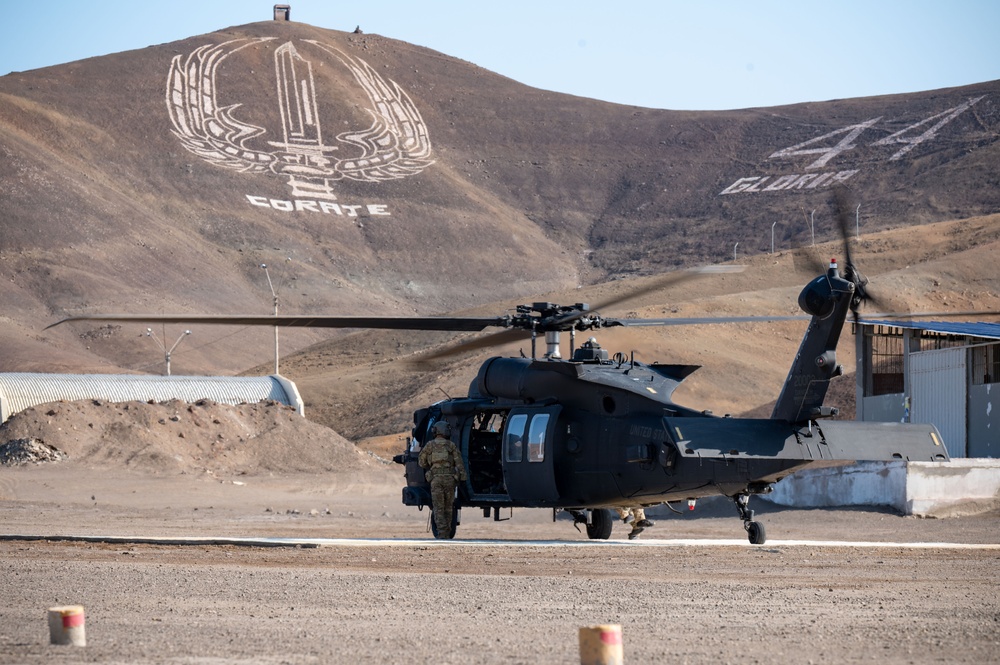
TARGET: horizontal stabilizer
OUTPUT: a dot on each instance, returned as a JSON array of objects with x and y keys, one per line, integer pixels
[
  {"x": 870, "y": 441},
  {"x": 828, "y": 442}
]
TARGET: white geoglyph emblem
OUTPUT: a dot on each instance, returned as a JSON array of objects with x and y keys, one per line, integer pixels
[{"x": 396, "y": 145}]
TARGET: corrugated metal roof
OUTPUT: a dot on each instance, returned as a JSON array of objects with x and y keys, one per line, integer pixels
[
  {"x": 973, "y": 329},
  {"x": 21, "y": 390}
]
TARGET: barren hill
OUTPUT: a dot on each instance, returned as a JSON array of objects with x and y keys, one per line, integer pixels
[
  {"x": 377, "y": 177},
  {"x": 363, "y": 386}
]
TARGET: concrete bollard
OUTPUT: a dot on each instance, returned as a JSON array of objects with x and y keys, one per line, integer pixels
[
  {"x": 66, "y": 625},
  {"x": 601, "y": 645}
]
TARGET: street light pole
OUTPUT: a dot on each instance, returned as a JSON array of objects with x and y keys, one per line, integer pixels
[
  {"x": 772, "y": 237},
  {"x": 857, "y": 223},
  {"x": 275, "y": 296},
  {"x": 812, "y": 226},
  {"x": 734, "y": 250},
  {"x": 166, "y": 351}
]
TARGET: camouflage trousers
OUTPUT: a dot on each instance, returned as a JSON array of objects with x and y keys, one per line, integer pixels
[
  {"x": 638, "y": 514},
  {"x": 443, "y": 501}
]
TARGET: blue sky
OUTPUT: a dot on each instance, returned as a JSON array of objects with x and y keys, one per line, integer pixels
[{"x": 698, "y": 55}]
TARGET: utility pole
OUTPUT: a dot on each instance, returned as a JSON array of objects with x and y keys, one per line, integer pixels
[
  {"x": 166, "y": 351},
  {"x": 275, "y": 296}
]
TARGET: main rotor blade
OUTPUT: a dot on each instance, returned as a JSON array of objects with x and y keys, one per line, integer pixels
[
  {"x": 711, "y": 320},
  {"x": 703, "y": 320},
  {"x": 925, "y": 315},
  {"x": 670, "y": 279},
  {"x": 443, "y": 323},
  {"x": 493, "y": 339}
]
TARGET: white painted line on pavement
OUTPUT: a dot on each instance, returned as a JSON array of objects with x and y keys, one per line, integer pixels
[{"x": 430, "y": 542}]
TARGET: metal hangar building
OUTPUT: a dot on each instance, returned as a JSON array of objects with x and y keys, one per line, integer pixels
[{"x": 933, "y": 372}]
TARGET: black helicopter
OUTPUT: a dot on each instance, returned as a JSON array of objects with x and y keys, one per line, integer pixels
[{"x": 594, "y": 431}]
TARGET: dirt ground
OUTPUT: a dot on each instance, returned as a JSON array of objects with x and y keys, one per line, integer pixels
[{"x": 520, "y": 597}]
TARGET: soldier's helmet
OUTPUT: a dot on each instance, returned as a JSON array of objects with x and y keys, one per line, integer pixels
[{"x": 442, "y": 428}]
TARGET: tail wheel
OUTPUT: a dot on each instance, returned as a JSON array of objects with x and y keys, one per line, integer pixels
[{"x": 600, "y": 525}]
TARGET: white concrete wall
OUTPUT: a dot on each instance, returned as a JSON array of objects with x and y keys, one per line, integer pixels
[
  {"x": 959, "y": 487},
  {"x": 930, "y": 489}
]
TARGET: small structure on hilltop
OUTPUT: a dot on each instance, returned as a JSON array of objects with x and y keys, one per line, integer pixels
[
  {"x": 282, "y": 12},
  {"x": 19, "y": 390}
]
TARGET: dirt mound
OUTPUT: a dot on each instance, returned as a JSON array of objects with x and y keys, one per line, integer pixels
[
  {"x": 179, "y": 437},
  {"x": 28, "y": 451}
]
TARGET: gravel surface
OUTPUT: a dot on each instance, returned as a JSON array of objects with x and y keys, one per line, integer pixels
[
  {"x": 502, "y": 604},
  {"x": 521, "y": 597},
  {"x": 511, "y": 601}
]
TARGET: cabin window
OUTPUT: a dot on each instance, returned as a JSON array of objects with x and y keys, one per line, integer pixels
[
  {"x": 513, "y": 442},
  {"x": 536, "y": 437}
]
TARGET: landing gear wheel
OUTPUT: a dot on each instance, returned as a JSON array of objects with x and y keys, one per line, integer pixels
[
  {"x": 755, "y": 530},
  {"x": 451, "y": 531},
  {"x": 600, "y": 525}
]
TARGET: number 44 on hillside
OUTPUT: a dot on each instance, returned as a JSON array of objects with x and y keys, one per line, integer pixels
[{"x": 822, "y": 153}]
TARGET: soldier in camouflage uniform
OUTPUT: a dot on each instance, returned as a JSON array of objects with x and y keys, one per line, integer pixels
[{"x": 443, "y": 463}]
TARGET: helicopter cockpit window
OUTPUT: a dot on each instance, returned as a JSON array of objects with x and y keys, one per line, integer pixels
[
  {"x": 536, "y": 437},
  {"x": 513, "y": 442}
]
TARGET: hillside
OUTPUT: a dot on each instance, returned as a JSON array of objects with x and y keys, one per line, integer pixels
[
  {"x": 377, "y": 177},
  {"x": 363, "y": 386}
]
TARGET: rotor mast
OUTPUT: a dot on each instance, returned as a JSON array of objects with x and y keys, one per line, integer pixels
[{"x": 553, "y": 320}]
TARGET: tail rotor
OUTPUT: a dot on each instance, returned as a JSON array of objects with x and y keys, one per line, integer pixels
[{"x": 862, "y": 290}]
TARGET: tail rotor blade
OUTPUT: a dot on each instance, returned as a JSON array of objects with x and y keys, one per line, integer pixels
[{"x": 843, "y": 202}]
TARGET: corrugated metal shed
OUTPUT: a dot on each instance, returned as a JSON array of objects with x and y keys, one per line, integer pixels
[
  {"x": 19, "y": 391},
  {"x": 941, "y": 372},
  {"x": 938, "y": 386},
  {"x": 972, "y": 329}
]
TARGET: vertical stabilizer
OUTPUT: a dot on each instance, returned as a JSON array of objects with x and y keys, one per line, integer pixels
[{"x": 828, "y": 298}]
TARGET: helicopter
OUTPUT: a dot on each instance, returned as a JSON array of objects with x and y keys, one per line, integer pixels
[{"x": 595, "y": 431}]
